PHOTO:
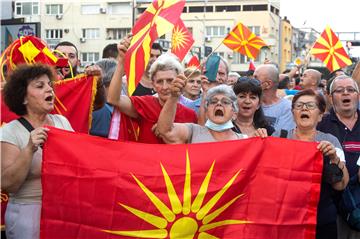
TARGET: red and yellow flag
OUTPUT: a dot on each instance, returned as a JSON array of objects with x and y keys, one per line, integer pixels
[
  {"x": 242, "y": 40},
  {"x": 329, "y": 50},
  {"x": 158, "y": 19},
  {"x": 194, "y": 61},
  {"x": 74, "y": 99},
  {"x": 110, "y": 189},
  {"x": 181, "y": 40}
]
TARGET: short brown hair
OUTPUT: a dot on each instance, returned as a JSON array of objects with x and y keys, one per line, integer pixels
[
  {"x": 16, "y": 86},
  {"x": 320, "y": 100}
]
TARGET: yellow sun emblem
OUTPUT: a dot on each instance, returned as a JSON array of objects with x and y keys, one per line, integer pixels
[
  {"x": 182, "y": 221},
  {"x": 179, "y": 39}
]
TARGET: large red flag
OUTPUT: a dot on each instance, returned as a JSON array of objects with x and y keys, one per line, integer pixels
[
  {"x": 194, "y": 61},
  {"x": 329, "y": 50},
  {"x": 181, "y": 40},
  {"x": 253, "y": 188},
  {"x": 158, "y": 19},
  {"x": 74, "y": 99},
  {"x": 242, "y": 40}
]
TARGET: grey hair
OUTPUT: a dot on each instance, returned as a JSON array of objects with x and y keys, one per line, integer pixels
[
  {"x": 222, "y": 90},
  {"x": 342, "y": 77},
  {"x": 108, "y": 67},
  {"x": 226, "y": 64},
  {"x": 272, "y": 73},
  {"x": 166, "y": 62}
]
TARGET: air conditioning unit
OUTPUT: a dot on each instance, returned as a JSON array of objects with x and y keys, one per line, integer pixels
[
  {"x": 82, "y": 40},
  {"x": 59, "y": 16},
  {"x": 66, "y": 30},
  {"x": 102, "y": 10},
  {"x": 207, "y": 38}
]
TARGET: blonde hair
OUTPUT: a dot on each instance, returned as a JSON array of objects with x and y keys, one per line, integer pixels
[{"x": 192, "y": 72}]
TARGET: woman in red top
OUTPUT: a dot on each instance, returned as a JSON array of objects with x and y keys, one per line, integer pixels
[{"x": 145, "y": 110}]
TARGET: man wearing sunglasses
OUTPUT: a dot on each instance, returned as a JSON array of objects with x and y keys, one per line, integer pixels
[{"x": 343, "y": 122}]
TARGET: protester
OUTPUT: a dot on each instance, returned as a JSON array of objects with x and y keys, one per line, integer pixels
[
  {"x": 191, "y": 97},
  {"x": 110, "y": 51},
  {"x": 250, "y": 117},
  {"x": 343, "y": 122},
  {"x": 146, "y": 109},
  {"x": 232, "y": 78},
  {"x": 28, "y": 93},
  {"x": 310, "y": 79},
  {"x": 220, "y": 107},
  {"x": 70, "y": 51},
  {"x": 277, "y": 110},
  {"x": 308, "y": 108},
  {"x": 145, "y": 86}
]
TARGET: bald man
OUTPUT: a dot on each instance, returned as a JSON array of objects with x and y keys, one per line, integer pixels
[{"x": 310, "y": 79}]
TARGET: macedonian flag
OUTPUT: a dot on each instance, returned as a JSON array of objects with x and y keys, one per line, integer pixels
[
  {"x": 235, "y": 189},
  {"x": 329, "y": 50},
  {"x": 74, "y": 98},
  {"x": 242, "y": 40},
  {"x": 158, "y": 19},
  {"x": 181, "y": 40}
]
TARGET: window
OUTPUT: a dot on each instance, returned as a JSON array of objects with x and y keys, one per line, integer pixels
[
  {"x": 116, "y": 33},
  {"x": 53, "y": 33},
  {"x": 54, "y": 9},
  {"x": 232, "y": 8},
  {"x": 201, "y": 9},
  {"x": 241, "y": 59},
  {"x": 27, "y": 8},
  {"x": 217, "y": 31},
  {"x": 89, "y": 57},
  {"x": 262, "y": 7},
  {"x": 119, "y": 8},
  {"x": 90, "y": 9},
  {"x": 91, "y": 33},
  {"x": 255, "y": 29}
]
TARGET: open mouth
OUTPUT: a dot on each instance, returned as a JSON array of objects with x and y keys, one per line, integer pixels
[
  {"x": 246, "y": 108},
  {"x": 304, "y": 116},
  {"x": 49, "y": 98},
  {"x": 345, "y": 101},
  {"x": 219, "y": 113}
]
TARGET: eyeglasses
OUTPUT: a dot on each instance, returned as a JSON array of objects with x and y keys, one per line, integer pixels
[
  {"x": 341, "y": 90},
  {"x": 255, "y": 82},
  {"x": 224, "y": 101},
  {"x": 308, "y": 105}
]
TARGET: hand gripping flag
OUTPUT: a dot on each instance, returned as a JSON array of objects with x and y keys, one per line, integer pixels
[
  {"x": 329, "y": 50},
  {"x": 242, "y": 40},
  {"x": 234, "y": 189},
  {"x": 181, "y": 40},
  {"x": 158, "y": 19}
]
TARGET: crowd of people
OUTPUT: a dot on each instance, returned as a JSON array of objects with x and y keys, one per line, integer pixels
[{"x": 174, "y": 105}]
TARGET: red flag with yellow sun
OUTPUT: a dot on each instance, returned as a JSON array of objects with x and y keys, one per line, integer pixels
[
  {"x": 110, "y": 189},
  {"x": 158, "y": 19},
  {"x": 242, "y": 40},
  {"x": 329, "y": 50},
  {"x": 181, "y": 40}
]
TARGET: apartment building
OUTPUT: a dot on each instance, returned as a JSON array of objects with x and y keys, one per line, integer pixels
[{"x": 92, "y": 24}]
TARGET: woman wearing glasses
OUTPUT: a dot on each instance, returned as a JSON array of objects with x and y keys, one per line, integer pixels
[
  {"x": 308, "y": 108},
  {"x": 220, "y": 108},
  {"x": 250, "y": 119}
]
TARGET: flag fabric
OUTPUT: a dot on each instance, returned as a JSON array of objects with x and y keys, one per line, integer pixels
[
  {"x": 158, "y": 19},
  {"x": 181, "y": 41},
  {"x": 194, "y": 61},
  {"x": 123, "y": 127},
  {"x": 29, "y": 50},
  {"x": 242, "y": 40},
  {"x": 212, "y": 67},
  {"x": 252, "y": 188},
  {"x": 74, "y": 98},
  {"x": 251, "y": 66},
  {"x": 329, "y": 50}
]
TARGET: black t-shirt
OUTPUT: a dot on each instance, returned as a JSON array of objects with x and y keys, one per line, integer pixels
[{"x": 142, "y": 90}]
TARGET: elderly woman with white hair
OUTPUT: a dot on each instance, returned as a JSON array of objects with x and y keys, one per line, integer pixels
[
  {"x": 220, "y": 107},
  {"x": 145, "y": 110}
]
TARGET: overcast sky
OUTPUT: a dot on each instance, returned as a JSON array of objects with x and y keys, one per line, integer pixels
[{"x": 341, "y": 16}]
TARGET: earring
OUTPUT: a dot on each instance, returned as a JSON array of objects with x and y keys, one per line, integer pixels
[{"x": 25, "y": 102}]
